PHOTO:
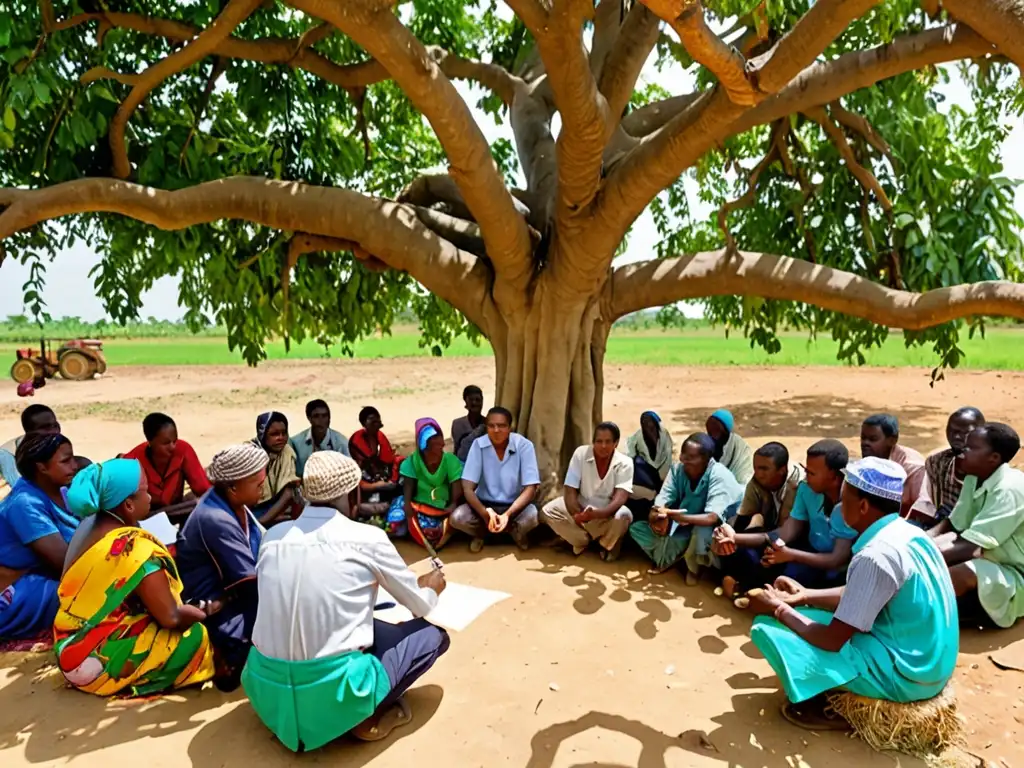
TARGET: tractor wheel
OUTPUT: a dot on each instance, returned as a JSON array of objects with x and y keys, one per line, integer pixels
[
  {"x": 24, "y": 370},
  {"x": 101, "y": 366},
  {"x": 75, "y": 366}
]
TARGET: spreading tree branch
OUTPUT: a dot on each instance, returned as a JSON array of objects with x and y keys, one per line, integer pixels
[
  {"x": 750, "y": 195},
  {"x": 234, "y": 13},
  {"x": 712, "y": 118},
  {"x": 297, "y": 53},
  {"x": 1001, "y": 22},
  {"x": 391, "y": 232},
  {"x": 863, "y": 175},
  {"x": 409, "y": 63},
  {"x": 826, "y": 81},
  {"x": 607, "y": 20},
  {"x": 726, "y": 63},
  {"x": 722, "y": 273},
  {"x": 860, "y": 125},
  {"x": 633, "y": 46},
  {"x": 650, "y": 117},
  {"x": 584, "y": 111},
  {"x": 459, "y": 232}
]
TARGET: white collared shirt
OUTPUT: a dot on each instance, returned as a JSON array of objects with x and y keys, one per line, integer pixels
[
  {"x": 318, "y": 578},
  {"x": 596, "y": 491}
]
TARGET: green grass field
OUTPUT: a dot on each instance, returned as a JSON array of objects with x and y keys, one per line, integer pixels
[{"x": 1001, "y": 349}]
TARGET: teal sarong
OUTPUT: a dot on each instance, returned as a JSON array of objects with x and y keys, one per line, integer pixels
[
  {"x": 310, "y": 703},
  {"x": 910, "y": 652}
]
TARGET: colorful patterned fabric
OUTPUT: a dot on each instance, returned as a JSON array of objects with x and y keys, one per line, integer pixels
[
  {"x": 106, "y": 641},
  {"x": 427, "y": 523}
]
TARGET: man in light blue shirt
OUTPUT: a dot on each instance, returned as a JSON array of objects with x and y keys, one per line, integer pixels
[
  {"x": 813, "y": 546},
  {"x": 500, "y": 481},
  {"x": 319, "y": 436}
]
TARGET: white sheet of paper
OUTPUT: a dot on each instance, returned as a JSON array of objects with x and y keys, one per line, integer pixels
[
  {"x": 160, "y": 525},
  {"x": 457, "y": 607}
]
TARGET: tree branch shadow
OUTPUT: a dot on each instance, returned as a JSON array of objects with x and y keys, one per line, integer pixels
[
  {"x": 813, "y": 416},
  {"x": 241, "y": 735},
  {"x": 752, "y": 733},
  {"x": 88, "y": 723}
]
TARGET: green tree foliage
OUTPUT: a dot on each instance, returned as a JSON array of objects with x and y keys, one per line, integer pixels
[{"x": 951, "y": 220}]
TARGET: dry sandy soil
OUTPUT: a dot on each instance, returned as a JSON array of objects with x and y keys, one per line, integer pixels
[{"x": 573, "y": 669}]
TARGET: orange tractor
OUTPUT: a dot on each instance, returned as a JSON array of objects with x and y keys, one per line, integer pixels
[{"x": 75, "y": 360}]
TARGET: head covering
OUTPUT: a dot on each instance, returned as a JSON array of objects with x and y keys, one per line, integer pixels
[
  {"x": 26, "y": 389},
  {"x": 264, "y": 420},
  {"x": 328, "y": 476},
  {"x": 37, "y": 448},
  {"x": 236, "y": 463},
  {"x": 878, "y": 477},
  {"x": 653, "y": 415},
  {"x": 725, "y": 417},
  {"x": 426, "y": 429},
  {"x": 103, "y": 487}
]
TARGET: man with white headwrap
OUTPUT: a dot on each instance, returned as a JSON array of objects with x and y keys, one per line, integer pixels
[
  {"x": 321, "y": 665},
  {"x": 891, "y": 633}
]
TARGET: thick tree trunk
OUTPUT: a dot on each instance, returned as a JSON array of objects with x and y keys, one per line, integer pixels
[{"x": 549, "y": 358}]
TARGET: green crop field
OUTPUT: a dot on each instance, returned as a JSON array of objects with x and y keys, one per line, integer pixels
[{"x": 1001, "y": 349}]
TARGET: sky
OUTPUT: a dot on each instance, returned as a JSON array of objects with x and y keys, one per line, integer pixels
[{"x": 69, "y": 288}]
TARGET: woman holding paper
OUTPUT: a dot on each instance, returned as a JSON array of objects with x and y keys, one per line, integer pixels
[
  {"x": 321, "y": 664},
  {"x": 121, "y": 627}
]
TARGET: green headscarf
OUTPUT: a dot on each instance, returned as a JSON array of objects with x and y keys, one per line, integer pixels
[{"x": 103, "y": 487}]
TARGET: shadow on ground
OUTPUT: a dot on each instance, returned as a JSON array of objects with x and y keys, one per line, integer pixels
[
  {"x": 232, "y": 734},
  {"x": 86, "y": 723},
  {"x": 750, "y": 734},
  {"x": 820, "y": 416}
]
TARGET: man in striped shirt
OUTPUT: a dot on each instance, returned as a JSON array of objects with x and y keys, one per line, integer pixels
[{"x": 891, "y": 633}]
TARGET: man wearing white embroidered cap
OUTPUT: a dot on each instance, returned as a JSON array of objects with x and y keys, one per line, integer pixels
[
  {"x": 321, "y": 665},
  {"x": 891, "y": 633}
]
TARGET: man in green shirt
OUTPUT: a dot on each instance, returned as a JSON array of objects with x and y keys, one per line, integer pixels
[{"x": 982, "y": 541}]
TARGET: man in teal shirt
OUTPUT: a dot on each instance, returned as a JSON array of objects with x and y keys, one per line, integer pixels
[
  {"x": 691, "y": 503},
  {"x": 983, "y": 539},
  {"x": 891, "y": 633}
]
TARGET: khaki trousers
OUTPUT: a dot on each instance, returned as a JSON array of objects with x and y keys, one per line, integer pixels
[{"x": 607, "y": 532}]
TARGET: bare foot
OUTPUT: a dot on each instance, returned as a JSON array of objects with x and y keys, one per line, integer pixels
[
  {"x": 692, "y": 579},
  {"x": 380, "y": 727},
  {"x": 659, "y": 571},
  {"x": 476, "y": 545},
  {"x": 729, "y": 585}
]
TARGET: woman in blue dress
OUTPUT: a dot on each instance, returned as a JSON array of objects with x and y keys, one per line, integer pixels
[{"x": 35, "y": 528}]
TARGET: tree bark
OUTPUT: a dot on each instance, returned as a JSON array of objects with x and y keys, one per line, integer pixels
[{"x": 549, "y": 362}]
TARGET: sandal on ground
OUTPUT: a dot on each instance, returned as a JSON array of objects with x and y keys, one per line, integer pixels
[
  {"x": 398, "y": 715},
  {"x": 814, "y": 715}
]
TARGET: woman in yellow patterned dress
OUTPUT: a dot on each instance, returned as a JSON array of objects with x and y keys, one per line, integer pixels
[{"x": 121, "y": 627}]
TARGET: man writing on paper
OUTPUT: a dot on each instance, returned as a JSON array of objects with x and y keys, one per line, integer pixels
[{"x": 321, "y": 665}]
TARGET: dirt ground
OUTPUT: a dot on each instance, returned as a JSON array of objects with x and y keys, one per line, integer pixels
[{"x": 574, "y": 669}]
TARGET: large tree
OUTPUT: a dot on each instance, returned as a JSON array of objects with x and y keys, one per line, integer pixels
[{"x": 304, "y": 166}]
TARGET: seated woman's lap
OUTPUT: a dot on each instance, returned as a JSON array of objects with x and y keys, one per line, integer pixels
[{"x": 28, "y": 606}]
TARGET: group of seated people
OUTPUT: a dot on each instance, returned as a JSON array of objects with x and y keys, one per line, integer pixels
[{"x": 283, "y": 541}]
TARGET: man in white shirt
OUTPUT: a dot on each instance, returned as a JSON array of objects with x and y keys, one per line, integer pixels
[
  {"x": 597, "y": 487},
  {"x": 321, "y": 665}
]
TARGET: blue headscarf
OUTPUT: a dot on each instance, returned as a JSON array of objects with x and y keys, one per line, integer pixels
[
  {"x": 725, "y": 417},
  {"x": 103, "y": 487},
  {"x": 263, "y": 422},
  {"x": 653, "y": 415}
]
